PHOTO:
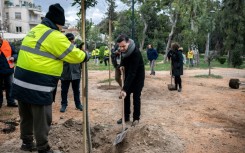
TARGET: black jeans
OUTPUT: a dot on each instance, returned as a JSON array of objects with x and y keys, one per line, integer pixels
[
  {"x": 136, "y": 102},
  {"x": 6, "y": 80},
  {"x": 177, "y": 81},
  {"x": 106, "y": 59},
  {"x": 76, "y": 91}
]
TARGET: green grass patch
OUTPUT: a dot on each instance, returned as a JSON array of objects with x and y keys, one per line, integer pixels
[
  {"x": 208, "y": 76},
  {"x": 160, "y": 66}
]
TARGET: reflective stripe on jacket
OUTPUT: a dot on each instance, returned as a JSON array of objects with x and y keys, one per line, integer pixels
[
  {"x": 7, "y": 51},
  {"x": 40, "y": 64}
]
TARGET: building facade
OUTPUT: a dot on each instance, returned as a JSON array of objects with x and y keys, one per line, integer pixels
[{"x": 19, "y": 16}]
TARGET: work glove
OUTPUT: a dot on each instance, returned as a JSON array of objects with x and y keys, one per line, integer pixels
[{"x": 122, "y": 94}]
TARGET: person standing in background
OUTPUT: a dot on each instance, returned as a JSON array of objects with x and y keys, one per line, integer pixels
[
  {"x": 190, "y": 55},
  {"x": 152, "y": 56},
  {"x": 116, "y": 61},
  {"x": 183, "y": 55},
  {"x": 8, "y": 56},
  {"x": 106, "y": 55},
  {"x": 71, "y": 75}
]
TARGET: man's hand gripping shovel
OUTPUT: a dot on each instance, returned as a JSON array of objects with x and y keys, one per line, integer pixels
[{"x": 121, "y": 135}]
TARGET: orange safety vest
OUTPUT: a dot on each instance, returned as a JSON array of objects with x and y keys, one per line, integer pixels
[{"x": 7, "y": 51}]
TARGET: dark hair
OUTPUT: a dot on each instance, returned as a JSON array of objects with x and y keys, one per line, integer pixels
[
  {"x": 174, "y": 46},
  {"x": 151, "y": 45},
  {"x": 122, "y": 37}
]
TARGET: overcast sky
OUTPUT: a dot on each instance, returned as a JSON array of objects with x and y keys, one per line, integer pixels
[{"x": 96, "y": 13}]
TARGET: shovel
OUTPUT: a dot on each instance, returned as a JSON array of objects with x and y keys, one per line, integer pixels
[
  {"x": 120, "y": 136},
  {"x": 171, "y": 86}
]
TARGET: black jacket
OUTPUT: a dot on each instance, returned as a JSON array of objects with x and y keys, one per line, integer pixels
[
  {"x": 134, "y": 71},
  {"x": 177, "y": 62}
]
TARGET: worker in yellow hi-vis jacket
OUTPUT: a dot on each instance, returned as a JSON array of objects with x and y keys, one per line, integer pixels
[{"x": 39, "y": 67}]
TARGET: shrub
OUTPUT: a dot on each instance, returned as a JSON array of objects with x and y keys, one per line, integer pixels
[
  {"x": 236, "y": 58},
  {"x": 221, "y": 60},
  {"x": 144, "y": 55}
]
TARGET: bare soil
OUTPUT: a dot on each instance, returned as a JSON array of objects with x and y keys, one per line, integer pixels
[{"x": 207, "y": 116}]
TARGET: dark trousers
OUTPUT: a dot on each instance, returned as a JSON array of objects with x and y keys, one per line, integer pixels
[
  {"x": 136, "y": 102},
  {"x": 35, "y": 120},
  {"x": 177, "y": 81},
  {"x": 76, "y": 91},
  {"x": 6, "y": 80},
  {"x": 152, "y": 66},
  {"x": 106, "y": 59}
]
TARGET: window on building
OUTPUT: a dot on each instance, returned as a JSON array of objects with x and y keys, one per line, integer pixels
[
  {"x": 18, "y": 29},
  {"x": 7, "y": 15},
  {"x": 18, "y": 15}
]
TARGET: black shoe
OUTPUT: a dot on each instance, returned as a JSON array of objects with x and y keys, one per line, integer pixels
[
  {"x": 63, "y": 109},
  {"x": 48, "y": 150},
  {"x": 12, "y": 105},
  {"x": 120, "y": 120},
  {"x": 80, "y": 107},
  {"x": 0, "y": 105},
  {"x": 29, "y": 147},
  {"x": 180, "y": 89}
]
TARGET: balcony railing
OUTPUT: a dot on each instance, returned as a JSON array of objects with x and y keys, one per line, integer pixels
[
  {"x": 34, "y": 22},
  {"x": 30, "y": 6}
]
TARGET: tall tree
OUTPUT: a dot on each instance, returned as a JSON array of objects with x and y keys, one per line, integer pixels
[
  {"x": 88, "y": 4},
  {"x": 233, "y": 25}
]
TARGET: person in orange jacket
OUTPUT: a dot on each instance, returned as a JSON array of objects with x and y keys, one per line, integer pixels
[{"x": 8, "y": 56}]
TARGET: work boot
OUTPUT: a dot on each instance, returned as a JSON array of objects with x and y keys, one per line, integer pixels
[
  {"x": 80, "y": 107},
  {"x": 120, "y": 120},
  {"x": 63, "y": 109},
  {"x": 28, "y": 147}
]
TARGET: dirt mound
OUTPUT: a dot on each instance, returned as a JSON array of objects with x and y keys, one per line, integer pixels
[{"x": 68, "y": 137}]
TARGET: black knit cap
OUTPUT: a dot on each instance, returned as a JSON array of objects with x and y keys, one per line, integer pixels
[
  {"x": 70, "y": 36},
  {"x": 56, "y": 14}
]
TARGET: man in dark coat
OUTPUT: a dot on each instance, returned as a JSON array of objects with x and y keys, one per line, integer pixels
[{"x": 134, "y": 77}]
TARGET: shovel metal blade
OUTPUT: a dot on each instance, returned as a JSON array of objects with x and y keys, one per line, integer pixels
[
  {"x": 171, "y": 87},
  {"x": 120, "y": 136}
]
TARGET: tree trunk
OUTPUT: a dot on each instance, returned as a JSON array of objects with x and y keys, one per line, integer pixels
[
  {"x": 207, "y": 49},
  {"x": 209, "y": 67},
  {"x": 174, "y": 21},
  {"x": 143, "y": 34}
]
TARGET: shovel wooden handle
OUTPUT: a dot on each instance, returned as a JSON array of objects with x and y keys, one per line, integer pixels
[{"x": 122, "y": 69}]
